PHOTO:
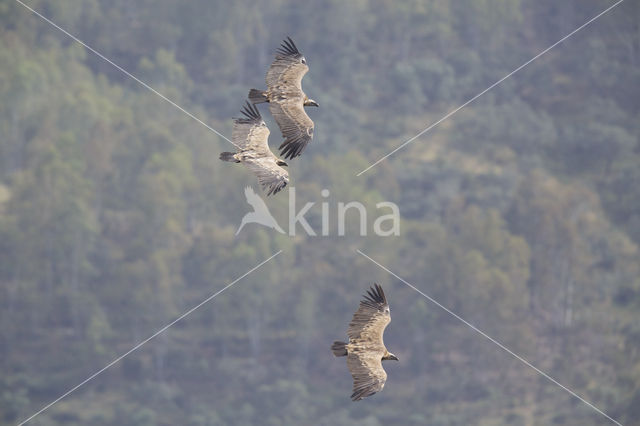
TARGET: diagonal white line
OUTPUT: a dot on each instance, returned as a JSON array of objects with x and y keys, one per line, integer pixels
[
  {"x": 126, "y": 72},
  {"x": 492, "y": 340},
  {"x": 492, "y": 86},
  {"x": 94, "y": 375}
]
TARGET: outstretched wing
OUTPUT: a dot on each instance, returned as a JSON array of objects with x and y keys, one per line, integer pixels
[
  {"x": 284, "y": 76},
  {"x": 371, "y": 318},
  {"x": 295, "y": 125},
  {"x": 250, "y": 132},
  {"x": 271, "y": 177},
  {"x": 366, "y": 369}
]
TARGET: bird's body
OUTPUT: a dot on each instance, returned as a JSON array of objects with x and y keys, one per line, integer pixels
[
  {"x": 365, "y": 350},
  {"x": 287, "y": 100},
  {"x": 251, "y": 136}
]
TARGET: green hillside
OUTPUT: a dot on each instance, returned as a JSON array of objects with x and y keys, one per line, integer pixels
[{"x": 520, "y": 213}]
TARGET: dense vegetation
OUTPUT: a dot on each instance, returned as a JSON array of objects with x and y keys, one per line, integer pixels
[{"x": 521, "y": 213}]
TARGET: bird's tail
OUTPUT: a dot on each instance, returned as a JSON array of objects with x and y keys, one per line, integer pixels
[
  {"x": 229, "y": 156},
  {"x": 257, "y": 96},
  {"x": 339, "y": 348}
]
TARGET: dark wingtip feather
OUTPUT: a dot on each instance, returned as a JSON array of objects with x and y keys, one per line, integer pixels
[
  {"x": 361, "y": 393},
  {"x": 288, "y": 48},
  {"x": 374, "y": 297},
  {"x": 287, "y": 151},
  {"x": 274, "y": 189},
  {"x": 251, "y": 114},
  {"x": 290, "y": 150},
  {"x": 381, "y": 294},
  {"x": 292, "y": 45}
]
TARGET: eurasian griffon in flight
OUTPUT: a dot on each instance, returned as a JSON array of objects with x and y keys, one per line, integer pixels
[
  {"x": 287, "y": 100},
  {"x": 365, "y": 350},
  {"x": 250, "y": 134}
]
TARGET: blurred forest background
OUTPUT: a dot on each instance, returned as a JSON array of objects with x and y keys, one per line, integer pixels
[{"x": 521, "y": 213}]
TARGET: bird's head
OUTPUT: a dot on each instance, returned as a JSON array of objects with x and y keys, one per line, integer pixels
[
  {"x": 310, "y": 102},
  {"x": 280, "y": 162},
  {"x": 389, "y": 356}
]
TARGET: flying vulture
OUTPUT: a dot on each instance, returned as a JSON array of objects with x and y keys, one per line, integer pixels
[
  {"x": 250, "y": 134},
  {"x": 365, "y": 350},
  {"x": 287, "y": 100}
]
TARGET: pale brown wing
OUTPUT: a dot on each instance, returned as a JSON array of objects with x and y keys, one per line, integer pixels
[
  {"x": 284, "y": 77},
  {"x": 371, "y": 318},
  {"x": 250, "y": 133},
  {"x": 295, "y": 125},
  {"x": 271, "y": 177},
  {"x": 366, "y": 369},
  {"x": 251, "y": 136}
]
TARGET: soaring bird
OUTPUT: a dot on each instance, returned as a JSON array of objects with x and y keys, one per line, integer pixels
[
  {"x": 286, "y": 98},
  {"x": 260, "y": 213},
  {"x": 365, "y": 350},
  {"x": 251, "y": 135}
]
